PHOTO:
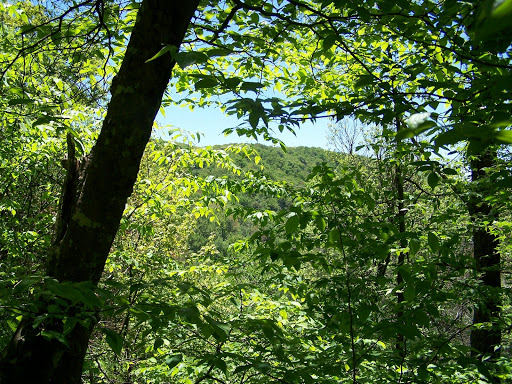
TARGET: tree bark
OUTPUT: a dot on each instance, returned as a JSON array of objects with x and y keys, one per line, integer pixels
[
  {"x": 401, "y": 342},
  {"x": 487, "y": 262},
  {"x": 95, "y": 194}
]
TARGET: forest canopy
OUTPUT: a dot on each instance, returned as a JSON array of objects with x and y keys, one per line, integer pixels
[{"x": 126, "y": 258}]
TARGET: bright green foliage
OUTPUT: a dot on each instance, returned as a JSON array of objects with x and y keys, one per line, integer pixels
[
  {"x": 362, "y": 273},
  {"x": 374, "y": 60},
  {"x": 39, "y": 102}
]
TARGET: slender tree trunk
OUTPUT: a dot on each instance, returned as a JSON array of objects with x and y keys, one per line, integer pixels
[
  {"x": 95, "y": 194},
  {"x": 487, "y": 262},
  {"x": 400, "y": 217}
]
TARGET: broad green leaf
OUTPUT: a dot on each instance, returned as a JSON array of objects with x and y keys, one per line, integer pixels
[
  {"x": 329, "y": 41},
  {"x": 450, "y": 171},
  {"x": 114, "y": 340},
  {"x": 232, "y": 82},
  {"x": 414, "y": 246},
  {"x": 158, "y": 343},
  {"x": 25, "y": 283},
  {"x": 69, "y": 324},
  {"x": 254, "y": 118},
  {"x": 292, "y": 224},
  {"x": 320, "y": 222},
  {"x": 364, "y": 80},
  {"x": 433, "y": 242},
  {"x": 55, "y": 335},
  {"x": 407, "y": 133},
  {"x": 242, "y": 368},
  {"x": 504, "y": 137},
  {"x": 261, "y": 366},
  {"x": 251, "y": 86},
  {"x": 334, "y": 238},
  {"x": 409, "y": 292},
  {"x": 174, "y": 360},
  {"x": 20, "y": 101},
  {"x": 409, "y": 331},
  {"x": 208, "y": 82},
  {"x": 185, "y": 59},
  {"x": 216, "y": 52},
  {"x": 220, "y": 364},
  {"x": 220, "y": 330},
  {"x": 65, "y": 290},
  {"x": 433, "y": 179}
]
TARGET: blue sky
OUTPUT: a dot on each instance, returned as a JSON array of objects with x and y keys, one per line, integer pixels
[{"x": 211, "y": 122}]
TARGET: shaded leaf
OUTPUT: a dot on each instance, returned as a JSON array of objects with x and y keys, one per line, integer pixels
[
  {"x": 174, "y": 360},
  {"x": 114, "y": 340}
]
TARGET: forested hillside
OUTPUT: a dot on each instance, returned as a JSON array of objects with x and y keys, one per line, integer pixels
[
  {"x": 290, "y": 169},
  {"x": 292, "y": 165},
  {"x": 128, "y": 259}
]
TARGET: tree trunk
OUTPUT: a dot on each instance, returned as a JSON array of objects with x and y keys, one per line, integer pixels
[
  {"x": 401, "y": 342},
  {"x": 487, "y": 262},
  {"x": 95, "y": 194}
]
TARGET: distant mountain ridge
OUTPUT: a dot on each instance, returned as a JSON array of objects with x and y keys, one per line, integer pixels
[{"x": 292, "y": 166}]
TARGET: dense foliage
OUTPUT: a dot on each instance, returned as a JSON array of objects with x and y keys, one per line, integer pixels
[{"x": 389, "y": 262}]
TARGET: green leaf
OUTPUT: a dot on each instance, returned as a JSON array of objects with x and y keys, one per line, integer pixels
[
  {"x": 254, "y": 118},
  {"x": 504, "y": 137},
  {"x": 207, "y": 82},
  {"x": 65, "y": 290},
  {"x": 449, "y": 137},
  {"x": 433, "y": 242},
  {"x": 492, "y": 26},
  {"x": 174, "y": 360},
  {"x": 251, "y": 86},
  {"x": 55, "y": 335},
  {"x": 25, "y": 283},
  {"x": 262, "y": 367},
  {"x": 216, "y": 52},
  {"x": 185, "y": 59},
  {"x": 364, "y": 80},
  {"x": 334, "y": 237},
  {"x": 433, "y": 179},
  {"x": 242, "y": 368},
  {"x": 320, "y": 222},
  {"x": 450, "y": 171},
  {"x": 409, "y": 331},
  {"x": 220, "y": 330},
  {"x": 220, "y": 364},
  {"x": 158, "y": 343},
  {"x": 292, "y": 224},
  {"x": 232, "y": 82},
  {"x": 414, "y": 246},
  {"x": 69, "y": 324},
  {"x": 163, "y": 51},
  {"x": 20, "y": 101},
  {"x": 329, "y": 41},
  {"x": 409, "y": 293},
  {"x": 407, "y": 133},
  {"x": 114, "y": 340}
]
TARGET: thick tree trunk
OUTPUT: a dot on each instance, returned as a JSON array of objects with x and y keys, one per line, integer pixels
[
  {"x": 96, "y": 191},
  {"x": 487, "y": 262}
]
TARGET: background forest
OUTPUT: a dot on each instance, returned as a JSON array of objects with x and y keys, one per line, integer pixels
[{"x": 126, "y": 258}]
